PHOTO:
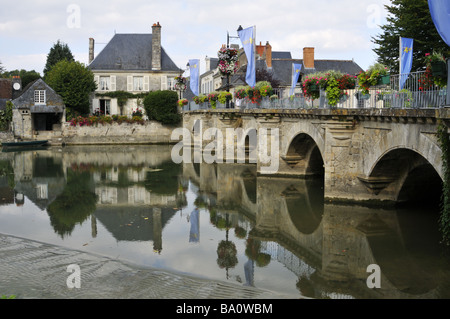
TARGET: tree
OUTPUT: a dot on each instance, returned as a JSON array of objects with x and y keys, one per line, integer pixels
[
  {"x": 162, "y": 106},
  {"x": 59, "y": 51},
  {"x": 26, "y": 76},
  {"x": 408, "y": 19},
  {"x": 2, "y": 68},
  {"x": 74, "y": 82}
]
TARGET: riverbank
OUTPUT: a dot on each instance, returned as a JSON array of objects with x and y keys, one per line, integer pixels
[
  {"x": 149, "y": 132},
  {"x": 35, "y": 270}
]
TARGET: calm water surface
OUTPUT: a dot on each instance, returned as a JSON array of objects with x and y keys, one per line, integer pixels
[{"x": 222, "y": 222}]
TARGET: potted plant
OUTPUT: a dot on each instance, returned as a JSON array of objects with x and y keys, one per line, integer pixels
[
  {"x": 182, "y": 102},
  {"x": 376, "y": 74},
  {"x": 212, "y": 98},
  {"x": 436, "y": 62},
  {"x": 224, "y": 97}
]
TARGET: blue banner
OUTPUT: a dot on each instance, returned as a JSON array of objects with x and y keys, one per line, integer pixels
[
  {"x": 296, "y": 68},
  {"x": 248, "y": 41},
  {"x": 440, "y": 13},
  {"x": 406, "y": 58},
  {"x": 194, "y": 67}
]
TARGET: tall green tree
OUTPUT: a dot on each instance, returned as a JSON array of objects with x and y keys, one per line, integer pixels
[
  {"x": 407, "y": 19},
  {"x": 74, "y": 82},
  {"x": 2, "y": 68},
  {"x": 60, "y": 51}
]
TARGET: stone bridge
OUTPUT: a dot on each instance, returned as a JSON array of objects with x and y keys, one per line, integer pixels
[{"x": 364, "y": 155}]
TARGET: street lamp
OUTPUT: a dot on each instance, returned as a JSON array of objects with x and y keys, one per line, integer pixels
[{"x": 228, "y": 46}]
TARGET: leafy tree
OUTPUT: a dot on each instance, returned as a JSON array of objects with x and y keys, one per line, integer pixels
[
  {"x": 408, "y": 19},
  {"x": 59, "y": 51},
  {"x": 26, "y": 76},
  {"x": 162, "y": 106},
  {"x": 2, "y": 68},
  {"x": 74, "y": 82}
]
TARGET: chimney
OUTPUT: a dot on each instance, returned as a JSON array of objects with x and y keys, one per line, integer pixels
[
  {"x": 156, "y": 47},
  {"x": 268, "y": 55},
  {"x": 208, "y": 63},
  {"x": 16, "y": 86},
  {"x": 308, "y": 58},
  {"x": 91, "y": 49}
]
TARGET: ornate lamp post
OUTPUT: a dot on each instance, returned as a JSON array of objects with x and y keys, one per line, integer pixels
[
  {"x": 228, "y": 65},
  {"x": 180, "y": 83}
]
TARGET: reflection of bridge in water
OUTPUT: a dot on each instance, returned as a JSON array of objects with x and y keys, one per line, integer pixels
[{"x": 328, "y": 247}]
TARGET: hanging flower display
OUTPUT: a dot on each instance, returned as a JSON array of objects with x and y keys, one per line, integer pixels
[
  {"x": 180, "y": 83},
  {"x": 228, "y": 61}
]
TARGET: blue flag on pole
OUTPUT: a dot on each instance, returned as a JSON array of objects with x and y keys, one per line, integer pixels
[
  {"x": 440, "y": 13},
  {"x": 248, "y": 41},
  {"x": 296, "y": 68},
  {"x": 406, "y": 58},
  {"x": 194, "y": 67}
]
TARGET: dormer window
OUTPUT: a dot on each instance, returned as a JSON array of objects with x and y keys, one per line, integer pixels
[{"x": 39, "y": 97}]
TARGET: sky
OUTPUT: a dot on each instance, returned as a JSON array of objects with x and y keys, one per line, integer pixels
[{"x": 192, "y": 29}]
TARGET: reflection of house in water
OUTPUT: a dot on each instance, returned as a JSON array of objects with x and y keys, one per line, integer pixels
[
  {"x": 39, "y": 177},
  {"x": 129, "y": 210}
]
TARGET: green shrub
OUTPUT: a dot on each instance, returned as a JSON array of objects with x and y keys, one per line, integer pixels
[{"x": 162, "y": 106}]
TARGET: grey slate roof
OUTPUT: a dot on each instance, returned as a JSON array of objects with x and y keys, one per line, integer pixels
[
  {"x": 282, "y": 69},
  {"x": 130, "y": 52},
  {"x": 54, "y": 102},
  {"x": 281, "y": 55}
]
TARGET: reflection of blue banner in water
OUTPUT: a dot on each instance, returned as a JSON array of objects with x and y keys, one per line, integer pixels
[
  {"x": 194, "y": 235},
  {"x": 249, "y": 271}
]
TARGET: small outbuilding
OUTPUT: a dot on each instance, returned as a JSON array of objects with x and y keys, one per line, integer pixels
[{"x": 37, "y": 110}]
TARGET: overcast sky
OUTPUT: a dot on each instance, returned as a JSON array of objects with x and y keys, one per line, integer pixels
[{"x": 190, "y": 29}]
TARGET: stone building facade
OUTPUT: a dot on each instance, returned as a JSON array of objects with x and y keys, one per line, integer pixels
[
  {"x": 133, "y": 63},
  {"x": 38, "y": 109}
]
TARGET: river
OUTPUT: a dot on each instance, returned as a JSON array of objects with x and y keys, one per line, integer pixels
[{"x": 220, "y": 222}]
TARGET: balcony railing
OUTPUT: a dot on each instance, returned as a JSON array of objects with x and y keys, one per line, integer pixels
[{"x": 415, "y": 93}]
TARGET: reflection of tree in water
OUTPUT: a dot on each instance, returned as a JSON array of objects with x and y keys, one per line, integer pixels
[
  {"x": 253, "y": 251},
  {"x": 164, "y": 179},
  {"x": 74, "y": 205}
]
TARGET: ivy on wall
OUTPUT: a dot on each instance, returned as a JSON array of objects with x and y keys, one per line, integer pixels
[
  {"x": 444, "y": 218},
  {"x": 122, "y": 96}
]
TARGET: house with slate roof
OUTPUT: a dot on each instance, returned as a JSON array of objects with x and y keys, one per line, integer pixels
[
  {"x": 133, "y": 63},
  {"x": 37, "y": 110}
]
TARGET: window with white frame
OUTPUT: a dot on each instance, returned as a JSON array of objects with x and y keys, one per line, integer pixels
[
  {"x": 39, "y": 97},
  {"x": 105, "y": 83},
  {"x": 170, "y": 83},
  {"x": 138, "y": 83}
]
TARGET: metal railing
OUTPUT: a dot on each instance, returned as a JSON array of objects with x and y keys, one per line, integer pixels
[{"x": 416, "y": 92}]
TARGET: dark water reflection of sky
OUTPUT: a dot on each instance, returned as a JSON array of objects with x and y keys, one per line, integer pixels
[{"x": 219, "y": 222}]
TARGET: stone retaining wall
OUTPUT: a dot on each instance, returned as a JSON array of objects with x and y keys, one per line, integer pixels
[{"x": 150, "y": 132}]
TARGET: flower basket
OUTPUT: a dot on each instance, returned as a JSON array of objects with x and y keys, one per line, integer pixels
[
  {"x": 439, "y": 69},
  {"x": 384, "y": 80},
  {"x": 228, "y": 61},
  {"x": 182, "y": 102}
]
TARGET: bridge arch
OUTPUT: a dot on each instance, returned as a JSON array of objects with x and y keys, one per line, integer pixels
[
  {"x": 404, "y": 175},
  {"x": 304, "y": 154}
]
